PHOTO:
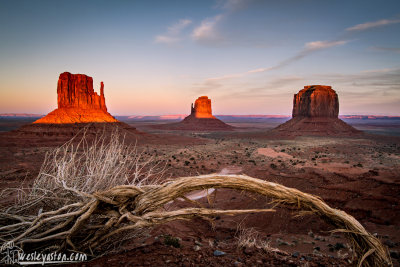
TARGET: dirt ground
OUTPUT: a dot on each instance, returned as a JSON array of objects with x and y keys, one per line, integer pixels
[{"x": 359, "y": 175}]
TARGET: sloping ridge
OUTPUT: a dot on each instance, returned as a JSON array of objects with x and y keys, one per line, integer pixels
[
  {"x": 191, "y": 123},
  {"x": 316, "y": 126}
]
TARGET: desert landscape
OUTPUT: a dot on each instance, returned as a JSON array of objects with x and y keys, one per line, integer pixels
[
  {"x": 317, "y": 153},
  {"x": 209, "y": 144}
]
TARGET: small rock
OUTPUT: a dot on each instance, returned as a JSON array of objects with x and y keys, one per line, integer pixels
[
  {"x": 389, "y": 243},
  {"x": 239, "y": 264},
  {"x": 198, "y": 243},
  {"x": 249, "y": 250},
  {"x": 311, "y": 234},
  {"x": 219, "y": 253},
  {"x": 295, "y": 254},
  {"x": 281, "y": 242},
  {"x": 196, "y": 248},
  {"x": 317, "y": 252},
  {"x": 338, "y": 246},
  {"x": 394, "y": 254}
]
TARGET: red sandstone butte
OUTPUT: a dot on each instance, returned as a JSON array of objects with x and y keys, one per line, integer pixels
[
  {"x": 78, "y": 102},
  {"x": 202, "y": 108},
  {"x": 315, "y": 112},
  {"x": 316, "y": 101},
  {"x": 200, "y": 119}
]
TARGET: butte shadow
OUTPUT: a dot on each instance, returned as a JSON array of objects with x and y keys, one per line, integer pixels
[
  {"x": 200, "y": 119},
  {"x": 315, "y": 113}
]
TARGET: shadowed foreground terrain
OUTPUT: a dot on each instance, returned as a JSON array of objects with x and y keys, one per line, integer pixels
[{"x": 356, "y": 174}]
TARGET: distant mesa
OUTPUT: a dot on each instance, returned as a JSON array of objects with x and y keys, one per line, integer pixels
[
  {"x": 315, "y": 112},
  {"x": 200, "y": 119},
  {"x": 316, "y": 101},
  {"x": 78, "y": 102}
]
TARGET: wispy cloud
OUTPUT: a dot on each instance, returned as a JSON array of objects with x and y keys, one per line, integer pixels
[
  {"x": 233, "y": 5},
  {"x": 173, "y": 32},
  {"x": 260, "y": 70},
  {"x": 373, "y": 24},
  {"x": 318, "y": 45},
  {"x": 309, "y": 48},
  {"x": 207, "y": 30},
  {"x": 210, "y": 29}
]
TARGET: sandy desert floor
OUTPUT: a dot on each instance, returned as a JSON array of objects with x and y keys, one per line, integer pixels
[{"x": 358, "y": 175}]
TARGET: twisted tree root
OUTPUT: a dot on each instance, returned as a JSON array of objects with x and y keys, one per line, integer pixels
[{"x": 104, "y": 215}]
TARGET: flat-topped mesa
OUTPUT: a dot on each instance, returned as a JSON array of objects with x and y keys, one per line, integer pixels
[
  {"x": 316, "y": 101},
  {"x": 76, "y": 91},
  {"x": 202, "y": 108},
  {"x": 315, "y": 112},
  {"x": 78, "y": 102}
]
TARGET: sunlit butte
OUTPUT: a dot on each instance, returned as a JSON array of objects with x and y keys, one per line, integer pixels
[{"x": 155, "y": 57}]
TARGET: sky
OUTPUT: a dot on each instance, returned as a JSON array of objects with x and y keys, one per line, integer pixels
[{"x": 157, "y": 57}]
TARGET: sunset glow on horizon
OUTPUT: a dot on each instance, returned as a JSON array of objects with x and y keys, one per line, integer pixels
[{"x": 158, "y": 57}]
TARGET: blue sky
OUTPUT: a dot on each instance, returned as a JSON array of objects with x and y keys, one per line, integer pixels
[{"x": 156, "y": 57}]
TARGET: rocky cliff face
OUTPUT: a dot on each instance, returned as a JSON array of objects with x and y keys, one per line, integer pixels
[
  {"x": 78, "y": 102},
  {"x": 202, "y": 108},
  {"x": 76, "y": 91},
  {"x": 316, "y": 101}
]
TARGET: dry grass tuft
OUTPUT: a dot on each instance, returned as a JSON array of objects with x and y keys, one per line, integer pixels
[{"x": 251, "y": 238}]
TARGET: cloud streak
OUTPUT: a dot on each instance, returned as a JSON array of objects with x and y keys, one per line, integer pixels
[
  {"x": 373, "y": 24},
  {"x": 318, "y": 45},
  {"x": 173, "y": 32},
  {"x": 309, "y": 48},
  {"x": 207, "y": 30}
]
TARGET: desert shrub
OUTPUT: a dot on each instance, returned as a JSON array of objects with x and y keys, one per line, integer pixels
[
  {"x": 172, "y": 241},
  {"x": 88, "y": 165}
]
